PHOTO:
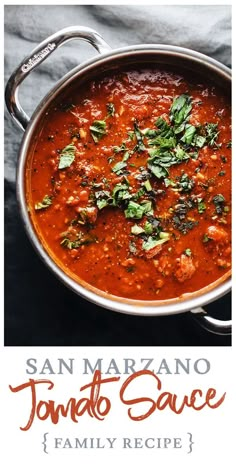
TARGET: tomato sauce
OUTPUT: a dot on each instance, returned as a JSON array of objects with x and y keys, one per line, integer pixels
[{"x": 129, "y": 183}]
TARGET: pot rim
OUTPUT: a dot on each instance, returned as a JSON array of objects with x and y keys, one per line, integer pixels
[{"x": 135, "y": 307}]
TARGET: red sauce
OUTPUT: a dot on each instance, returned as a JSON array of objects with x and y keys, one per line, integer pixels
[{"x": 171, "y": 134}]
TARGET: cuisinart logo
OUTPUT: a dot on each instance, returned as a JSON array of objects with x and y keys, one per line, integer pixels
[{"x": 38, "y": 57}]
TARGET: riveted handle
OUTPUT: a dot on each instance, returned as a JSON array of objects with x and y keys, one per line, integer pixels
[
  {"x": 39, "y": 54},
  {"x": 211, "y": 324}
]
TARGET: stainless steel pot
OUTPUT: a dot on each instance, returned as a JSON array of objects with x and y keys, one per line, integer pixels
[{"x": 110, "y": 59}]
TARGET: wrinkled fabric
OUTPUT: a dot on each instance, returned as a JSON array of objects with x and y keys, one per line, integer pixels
[{"x": 39, "y": 310}]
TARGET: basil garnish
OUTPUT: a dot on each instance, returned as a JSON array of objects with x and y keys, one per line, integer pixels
[
  {"x": 67, "y": 156},
  {"x": 45, "y": 203},
  {"x": 98, "y": 130}
]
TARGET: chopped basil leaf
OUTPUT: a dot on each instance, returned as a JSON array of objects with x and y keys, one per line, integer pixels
[
  {"x": 168, "y": 158},
  {"x": 180, "y": 155},
  {"x": 123, "y": 196},
  {"x": 103, "y": 199},
  {"x": 211, "y": 133},
  {"x": 126, "y": 156},
  {"x": 110, "y": 109},
  {"x": 219, "y": 198},
  {"x": 131, "y": 135},
  {"x": 121, "y": 164},
  {"x": 120, "y": 149},
  {"x": 194, "y": 155},
  {"x": 164, "y": 235},
  {"x": 137, "y": 230},
  {"x": 147, "y": 205},
  {"x": 136, "y": 210},
  {"x": 169, "y": 182},
  {"x": 102, "y": 203},
  {"x": 165, "y": 130},
  {"x": 147, "y": 185},
  {"x": 188, "y": 134},
  {"x": 139, "y": 194},
  {"x": 118, "y": 188},
  {"x": 157, "y": 170},
  {"x": 120, "y": 194},
  {"x": 164, "y": 137},
  {"x": 67, "y": 243},
  {"x": 45, "y": 203},
  {"x": 201, "y": 206},
  {"x": 222, "y": 173},
  {"x": 163, "y": 142},
  {"x": 188, "y": 252},
  {"x": 98, "y": 130},
  {"x": 229, "y": 144},
  {"x": 179, "y": 111},
  {"x": 67, "y": 156},
  {"x": 149, "y": 133},
  {"x": 161, "y": 160},
  {"x": 148, "y": 228},
  {"x": 152, "y": 242},
  {"x": 118, "y": 167},
  {"x": 206, "y": 238},
  {"x": 132, "y": 248},
  {"x": 199, "y": 141}
]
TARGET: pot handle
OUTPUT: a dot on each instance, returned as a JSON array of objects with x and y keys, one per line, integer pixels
[
  {"x": 215, "y": 326},
  {"x": 39, "y": 54}
]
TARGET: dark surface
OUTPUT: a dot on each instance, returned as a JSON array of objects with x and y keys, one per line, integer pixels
[{"x": 39, "y": 310}]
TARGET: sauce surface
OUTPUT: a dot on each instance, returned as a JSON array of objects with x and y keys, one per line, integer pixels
[{"x": 129, "y": 184}]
